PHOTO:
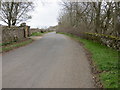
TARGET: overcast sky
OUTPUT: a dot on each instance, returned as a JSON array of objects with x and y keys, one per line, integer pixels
[{"x": 45, "y": 14}]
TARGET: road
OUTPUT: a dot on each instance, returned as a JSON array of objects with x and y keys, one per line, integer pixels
[{"x": 54, "y": 61}]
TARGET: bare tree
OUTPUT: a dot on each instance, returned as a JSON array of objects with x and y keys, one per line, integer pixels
[
  {"x": 97, "y": 17},
  {"x": 13, "y": 13}
]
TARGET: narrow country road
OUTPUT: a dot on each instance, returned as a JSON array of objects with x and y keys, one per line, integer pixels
[{"x": 54, "y": 61}]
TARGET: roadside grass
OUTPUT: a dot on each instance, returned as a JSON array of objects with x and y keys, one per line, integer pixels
[
  {"x": 36, "y": 34},
  {"x": 106, "y": 60},
  {"x": 4, "y": 47},
  {"x": 14, "y": 45}
]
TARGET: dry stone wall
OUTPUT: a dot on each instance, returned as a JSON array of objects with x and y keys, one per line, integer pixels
[
  {"x": 34, "y": 30},
  {"x": 110, "y": 41},
  {"x": 14, "y": 33}
]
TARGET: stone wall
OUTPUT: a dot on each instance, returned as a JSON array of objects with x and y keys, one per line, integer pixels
[
  {"x": 33, "y": 30},
  {"x": 109, "y": 41},
  {"x": 14, "y": 33}
]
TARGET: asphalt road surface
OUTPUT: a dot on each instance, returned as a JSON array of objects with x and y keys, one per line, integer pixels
[{"x": 54, "y": 61}]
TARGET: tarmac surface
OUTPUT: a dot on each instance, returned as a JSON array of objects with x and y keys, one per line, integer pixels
[{"x": 53, "y": 61}]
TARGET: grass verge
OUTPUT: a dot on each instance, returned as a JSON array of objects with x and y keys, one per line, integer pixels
[
  {"x": 38, "y": 33},
  {"x": 106, "y": 60},
  {"x": 15, "y": 45}
]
